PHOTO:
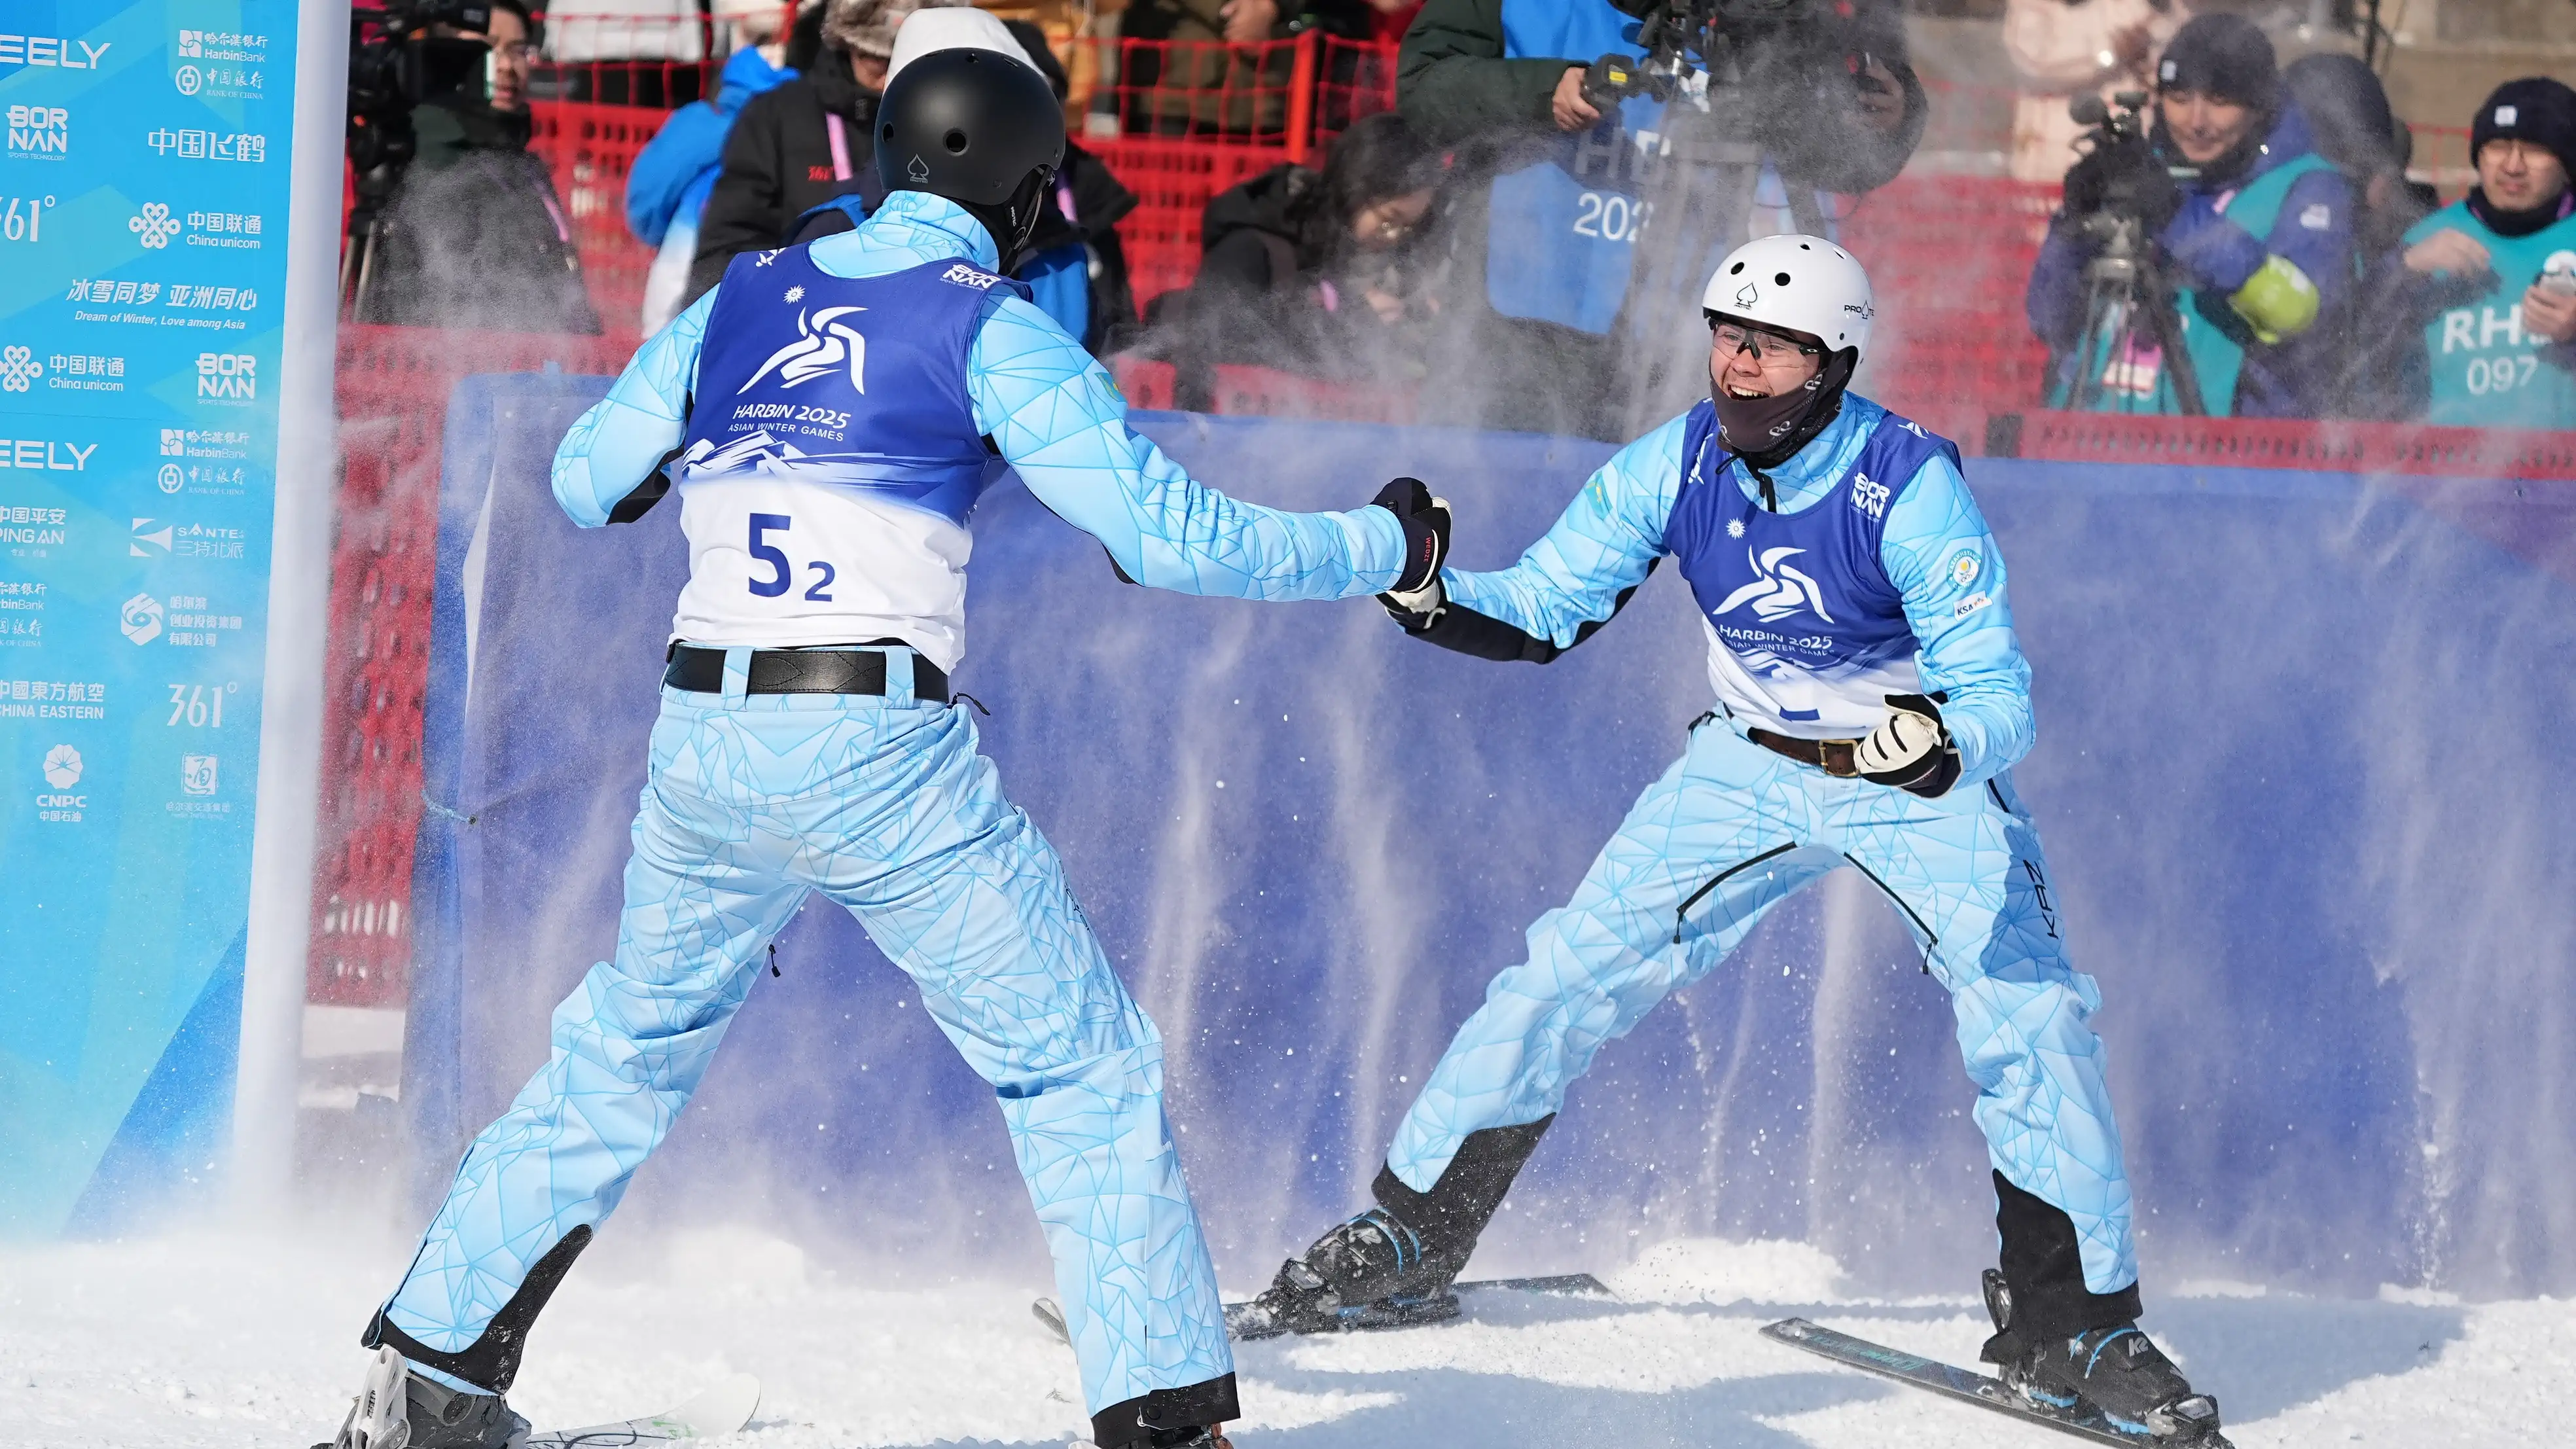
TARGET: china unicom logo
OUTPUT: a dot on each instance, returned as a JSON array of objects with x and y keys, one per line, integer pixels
[
  {"x": 62, "y": 767},
  {"x": 153, "y": 225},
  {"x": 18, "y": 368}
]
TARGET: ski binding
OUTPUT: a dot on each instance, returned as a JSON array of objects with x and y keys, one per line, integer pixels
[
  {"x": 720, "y": 1410},
  {"x": 1976, "y": 1388}
]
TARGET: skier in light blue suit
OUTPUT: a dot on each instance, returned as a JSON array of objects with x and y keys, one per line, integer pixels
[
  {"x": 1871, "y": 700},
  {"x": 826, "y": 411}
]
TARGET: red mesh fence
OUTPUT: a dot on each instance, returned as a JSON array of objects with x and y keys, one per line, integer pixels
[
  {"x": 392, "y": 390},
  {"x": 2383, "y": 448},
  {"x": 590, "y": 148}
]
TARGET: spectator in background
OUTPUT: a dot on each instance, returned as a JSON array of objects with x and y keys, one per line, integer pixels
[
  {"x": 2254, "y": 228},
  {"x": 1076, "y": 272},
  {"x": 1567, "y": 311},
  {"x": 2494, "y": 274},
  {"x": 806, "y": 141},
  {"x": 1308, "y": 272},
  {"x": 668, "y": 186},
  {"x": 2373, "y": 376},
  {"x": 2067, "y": 48},
  {"x": 474, "y": 236}
]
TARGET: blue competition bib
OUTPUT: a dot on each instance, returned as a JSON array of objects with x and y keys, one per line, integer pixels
[
  {"x": 1562, "y": 237},
  {"x": 1798, "y": 593},
  {"x": 854, "y": 382}
]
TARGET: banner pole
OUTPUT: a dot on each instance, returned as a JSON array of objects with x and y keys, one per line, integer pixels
[{"x": 299, "y": 596}]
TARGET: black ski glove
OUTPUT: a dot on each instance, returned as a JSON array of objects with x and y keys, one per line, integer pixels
[
  {"x": 1910, "y": 750},
  {"x": 1417, "y": 598}
]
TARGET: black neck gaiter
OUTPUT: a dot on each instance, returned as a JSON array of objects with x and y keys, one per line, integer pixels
[
  {"x": 1766, "y": 431},
  {"x": 2519, "y": 223}
]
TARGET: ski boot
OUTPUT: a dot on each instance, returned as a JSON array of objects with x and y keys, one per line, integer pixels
[
  {"x": 1391, "y": 1266},
  {"x": 395, "y": 1410},
  {"x": 2115, "y": 1373},
  {"x": 1370, "y": 1272}
]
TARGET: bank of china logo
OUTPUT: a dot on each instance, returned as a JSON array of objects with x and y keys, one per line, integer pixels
[
  {"x": 62, "y": 767},
  {"x": 147, "y": 540},
  {"x": 18, "y": 367},
  {"x": 1779, "y": 591},
  {"x": 153, "y": 225},
  {"x": 824, "y": 343},
  {"x": 172, "y": 478},
  {"x": 189, "y": 80},
  {"x": 140, "y": 619},
  {"x": 197, "y": 774}
]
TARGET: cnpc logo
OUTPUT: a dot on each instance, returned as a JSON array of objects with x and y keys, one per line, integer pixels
[{"x": 227, "y": 376}]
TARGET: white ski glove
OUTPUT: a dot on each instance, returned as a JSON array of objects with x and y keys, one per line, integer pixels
[{"x": 1910, "y": 749}]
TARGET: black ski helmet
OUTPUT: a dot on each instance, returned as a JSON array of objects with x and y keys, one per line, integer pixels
[{"x": 979, "y": 127}]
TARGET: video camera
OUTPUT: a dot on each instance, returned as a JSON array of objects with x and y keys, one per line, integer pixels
[
  {"x": 1681, "y": 37},
  {"x": 395, "y": 66}
]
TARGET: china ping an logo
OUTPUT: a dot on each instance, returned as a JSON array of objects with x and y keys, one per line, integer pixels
[
  {"x": 824, "y": 345},
  {"x": 40, "y": 132},
  {"x": 227, "y": 376},
  {"x": 1778, "y": 590}
]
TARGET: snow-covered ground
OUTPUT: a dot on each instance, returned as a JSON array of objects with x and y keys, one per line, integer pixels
[{"x": 249, "y": 1342}]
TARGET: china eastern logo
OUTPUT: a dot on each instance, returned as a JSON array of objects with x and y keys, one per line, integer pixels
[
  {"x": 1779, "y": 589},
  {"x": 227, "y": 377}
]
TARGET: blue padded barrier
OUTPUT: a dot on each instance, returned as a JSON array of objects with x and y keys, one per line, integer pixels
[{"x": 2301, "y": 773}]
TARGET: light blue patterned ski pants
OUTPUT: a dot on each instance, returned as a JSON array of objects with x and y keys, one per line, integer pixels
[
  {"x": 1732, "y": 830},
  {"x": 883, "y": 805}
]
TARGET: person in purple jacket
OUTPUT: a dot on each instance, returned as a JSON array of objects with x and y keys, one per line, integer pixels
[{"x": 2253, "y": 227}]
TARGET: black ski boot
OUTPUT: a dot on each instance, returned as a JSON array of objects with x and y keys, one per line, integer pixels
[
  {"x": 397, "y": 1410},
  {"x": 2114, "y": 1372},
  {"x": 1392, "y": 1265}
]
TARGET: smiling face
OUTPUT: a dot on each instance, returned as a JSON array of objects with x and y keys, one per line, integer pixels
[
  {"x": 2518, "y": 175},
  {"x": 1750, "y": 362},
  {"x": 2204, "y": 127}
]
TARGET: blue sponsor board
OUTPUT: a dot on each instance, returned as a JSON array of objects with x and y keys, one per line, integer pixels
[{"x": 143, "y": 202}]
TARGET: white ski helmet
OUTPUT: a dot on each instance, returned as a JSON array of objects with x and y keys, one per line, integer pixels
[
  {"x": 949, "y": 28},
  {"x": 1796, "y": 284}
]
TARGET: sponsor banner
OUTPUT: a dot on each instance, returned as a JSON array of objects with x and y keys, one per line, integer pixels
[{"x": 143, "y": 192}]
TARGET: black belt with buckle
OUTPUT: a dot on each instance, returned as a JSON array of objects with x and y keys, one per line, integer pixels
[
  {"x": 1834, "y": 757},
  {"x": 835, "y": 670}
]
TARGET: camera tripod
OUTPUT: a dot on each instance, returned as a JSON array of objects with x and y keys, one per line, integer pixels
[{"x": 2127, "y": 300}]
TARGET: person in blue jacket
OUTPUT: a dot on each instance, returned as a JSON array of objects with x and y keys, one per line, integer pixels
[
  {"x": 2255, "y": 229},
  {"x": 668, "y": 185},
  {"x": 830, "y": 414},
  {"x": 1871, "y": 700}
]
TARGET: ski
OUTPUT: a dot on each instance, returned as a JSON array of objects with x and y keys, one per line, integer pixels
[
  {"x": 720, "y": 1410},
  {"x": 1961, "y": 1384},
  {"x": 1243, "y": 1326}
]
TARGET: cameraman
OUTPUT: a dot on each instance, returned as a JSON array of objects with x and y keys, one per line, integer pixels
[
  {"x": 2251, "y": 226},
  {"x": 2493, "y": 275},
  {"x": 474, "y": 236},
  {"x": 1575, "y": 310}
]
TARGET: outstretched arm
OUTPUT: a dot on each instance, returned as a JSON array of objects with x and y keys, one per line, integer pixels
[
  {"x": 608, "y": 468},
  {"x": 1939, "y": 554},
  {"x": 1061, "y": 423},
  {"x": 1583, "y": 572}
]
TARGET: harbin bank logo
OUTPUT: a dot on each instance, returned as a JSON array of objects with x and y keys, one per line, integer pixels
[
  {"x": 153, "y": 225},
  {"x": 140, "y": 619},
  {"x": 1779, "y": 591},
  {"x": 62, "y": 767}
]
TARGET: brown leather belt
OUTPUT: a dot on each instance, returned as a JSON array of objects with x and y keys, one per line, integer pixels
[
  {"x": 1834, "y": 757},
  {"x": 806, "y": 671}
]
